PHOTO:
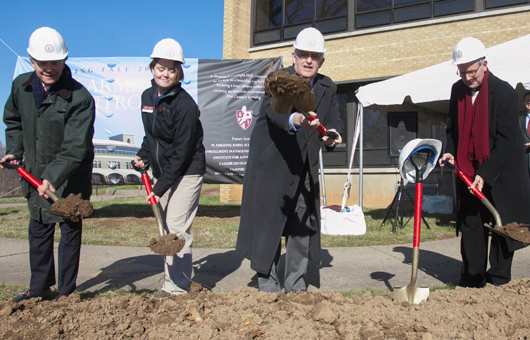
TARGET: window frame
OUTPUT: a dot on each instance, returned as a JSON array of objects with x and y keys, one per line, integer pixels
[{"x": 438, "y": 9}]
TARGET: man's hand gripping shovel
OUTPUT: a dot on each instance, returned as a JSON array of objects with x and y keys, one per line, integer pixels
[
  {"x": 290, "y": 90},
  {"x": 74, "y": 211},
  {"x": 498, "y": 228}
]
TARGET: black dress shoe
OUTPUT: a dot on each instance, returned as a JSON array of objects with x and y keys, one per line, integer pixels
[{"x": 45, "y": 295}]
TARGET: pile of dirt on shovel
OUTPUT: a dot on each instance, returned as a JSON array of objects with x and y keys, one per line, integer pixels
[
  {"x": 167, "y": 245},
  {"x": 286, "y": 91},
  {"x": 283, "y": 84},
  {"x": 517, "y": 231},
  {"x": 464, "y": 313},
  {"x": 74, "y": 207}
]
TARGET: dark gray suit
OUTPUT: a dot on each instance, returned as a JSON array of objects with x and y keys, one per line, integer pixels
[{"x": 281, "y": 194}]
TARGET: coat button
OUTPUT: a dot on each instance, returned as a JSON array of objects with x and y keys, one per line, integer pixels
[{"x": 291, "y": 183}]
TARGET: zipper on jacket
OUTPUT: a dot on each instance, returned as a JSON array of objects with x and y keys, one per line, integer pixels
[{"x": 156, "y": 140}]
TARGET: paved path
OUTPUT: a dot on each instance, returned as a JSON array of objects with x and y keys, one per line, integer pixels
[{"x": 378, "y": 267}]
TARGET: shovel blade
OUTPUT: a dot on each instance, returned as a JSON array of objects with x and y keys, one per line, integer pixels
[
  {"x": 498, "y": 231},
  {"x": 411, "y": 294},
  {"x": 57, "y": 213}
]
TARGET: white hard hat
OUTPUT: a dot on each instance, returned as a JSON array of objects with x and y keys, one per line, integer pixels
[
  {"x": 47, "y": 44},
  {"x": 406, "y": 167},
  {"x": 310, "y": 39},
  {"x": 168, "y": 49},
  {"x": 467, "y": 50}
]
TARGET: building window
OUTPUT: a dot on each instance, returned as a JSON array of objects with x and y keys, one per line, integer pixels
[
  {"x": 95, "y": 164},
  {"x": 99, "y": 164},
  {"x": 503, "y": 3},
  {"x": 277, "y": 20},
  {"x": 118, "y": 164},
  {"x": 371, "y": 13},
  {"x": 282, "y": 20}
]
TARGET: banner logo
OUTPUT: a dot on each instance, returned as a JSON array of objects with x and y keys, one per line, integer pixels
[{"x": 244, "y": 117}]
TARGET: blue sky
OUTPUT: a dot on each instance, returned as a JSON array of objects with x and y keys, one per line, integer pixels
[{"x": 100, "y": 28}]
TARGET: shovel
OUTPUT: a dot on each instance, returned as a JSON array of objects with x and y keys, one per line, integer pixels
[
  {"x": 412, "y": 293},
  {"x": 152, "y": 201},
  {"x": 36, "y": 183},
  {"x": 303, "y": 101},
  {"x": 498, "y": 224}
]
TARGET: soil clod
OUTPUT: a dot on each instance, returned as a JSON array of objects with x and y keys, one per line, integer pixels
[
  {"x": 166, "y": 245},
  {"x": 289, "y": 90},
  {"x": 516, "y": 231},
  {"x": 74, "y": 207}
]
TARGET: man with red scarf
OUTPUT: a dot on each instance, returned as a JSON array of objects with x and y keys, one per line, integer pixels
[{"x": 485, "y": 144}]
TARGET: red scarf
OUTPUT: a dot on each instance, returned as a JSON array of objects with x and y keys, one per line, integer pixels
[{"x": 473, "y": 129}]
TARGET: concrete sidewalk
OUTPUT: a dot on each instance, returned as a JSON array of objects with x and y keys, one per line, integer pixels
[{"x": 378, "y": 267}]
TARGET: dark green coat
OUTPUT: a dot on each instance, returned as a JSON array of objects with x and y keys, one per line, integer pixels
[{"x": 55, "y": 138}]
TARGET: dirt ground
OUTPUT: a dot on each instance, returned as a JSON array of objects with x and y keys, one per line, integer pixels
[{"x": 463, "y": 313}]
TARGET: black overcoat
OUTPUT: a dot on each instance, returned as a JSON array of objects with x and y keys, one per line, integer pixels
[
  {"x": 276, "y": 161},
  {"x": 505, "y": 173}
]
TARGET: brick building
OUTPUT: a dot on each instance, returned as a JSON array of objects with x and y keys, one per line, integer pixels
[{"x": 367, "y": 41}]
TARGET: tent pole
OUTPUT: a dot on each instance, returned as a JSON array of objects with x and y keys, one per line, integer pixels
[
  {"x": 360, "y": 112},
  {"x": 322, "y": 181}
]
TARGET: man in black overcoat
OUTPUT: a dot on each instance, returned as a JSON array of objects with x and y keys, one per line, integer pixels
[
  {"x": 524, "y": 127},
  {"x": 281, "y": 189},
  {"x": 484, "y": 142}
]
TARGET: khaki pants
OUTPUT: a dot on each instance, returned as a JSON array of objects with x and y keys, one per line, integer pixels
[{"x": 178, "y": 208}]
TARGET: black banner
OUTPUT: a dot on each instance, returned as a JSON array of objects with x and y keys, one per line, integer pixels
[{"x": 229, "y": 95}]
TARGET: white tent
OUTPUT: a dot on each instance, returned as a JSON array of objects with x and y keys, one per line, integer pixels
[
  {"x": 509, "y": 61},
  {"x": 430, "y": 88}
]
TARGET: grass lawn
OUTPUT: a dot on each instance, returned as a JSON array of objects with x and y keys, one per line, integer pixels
[{"x": 130, "y": 222}]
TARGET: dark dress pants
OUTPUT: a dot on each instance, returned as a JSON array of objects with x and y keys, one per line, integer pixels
[
  {"x": 296, "y": 232},
  {"x": 41, "y": 257},
  {"x": 474, "y": 247}
]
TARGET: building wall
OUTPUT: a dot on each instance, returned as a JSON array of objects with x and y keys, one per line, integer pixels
[
  {"x": 374, "y": 54},
  {"x": 382, "y": 52},
  {"x": 236, "y": 29}
]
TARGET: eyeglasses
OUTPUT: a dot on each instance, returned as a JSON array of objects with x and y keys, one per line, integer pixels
[
  {"x": 55, "y": 64},
  {"x": 303, "y": 55},
  {"x": 471, "y": 73}
]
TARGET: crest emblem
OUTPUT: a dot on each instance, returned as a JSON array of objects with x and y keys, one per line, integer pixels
[
  {"x": 244, "y": 117},
  {"x": 311, "y": 42},
  {"x": 170, "y": 53},
  {"x": 48, "y": 48},
  {"x": 459, "y": 54}
]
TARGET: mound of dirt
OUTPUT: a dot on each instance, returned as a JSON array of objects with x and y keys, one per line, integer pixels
[
  {"x": 289, "y": 90},
  {"x": 516, "y": 231},
  {"x": 464, "y": 313},
  {"x": 74, "y": 207},
  {"x": 167, "y": 245}
]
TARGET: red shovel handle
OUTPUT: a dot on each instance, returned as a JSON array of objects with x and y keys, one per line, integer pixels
[
  {"x": 148, "y": 188},
  {"x": 145, "y": 179},
  {"x": 30, "y": 178},
  {"x": 417, "y": 215},
  {"x": 466, "y": 180},
  {"x": 321, "y": 129}
]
